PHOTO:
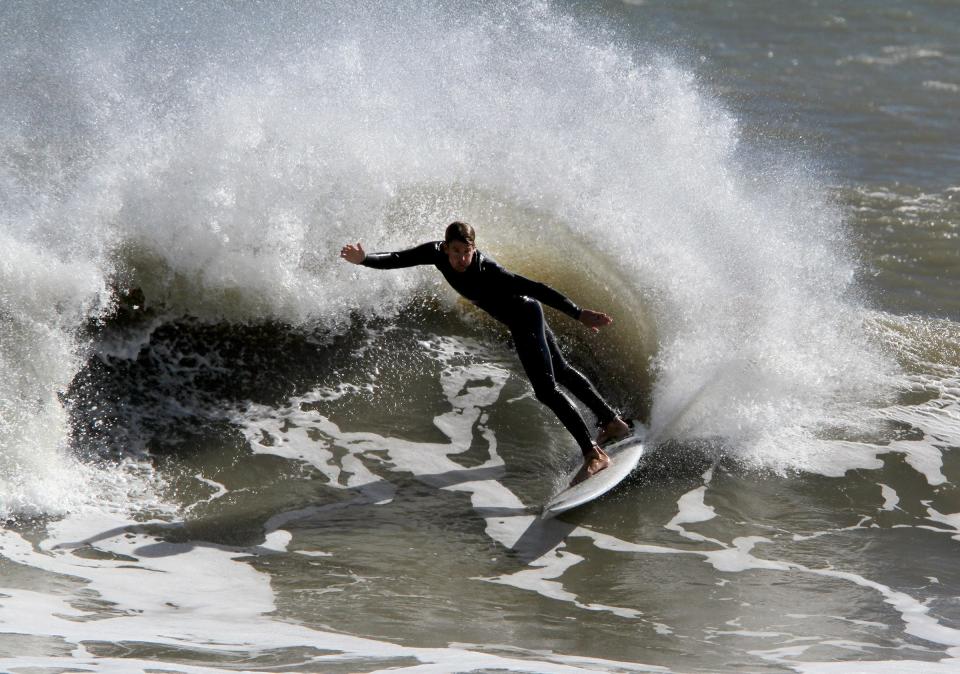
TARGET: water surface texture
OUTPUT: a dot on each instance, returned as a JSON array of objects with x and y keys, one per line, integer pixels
[{"x": 223, "y": 449}]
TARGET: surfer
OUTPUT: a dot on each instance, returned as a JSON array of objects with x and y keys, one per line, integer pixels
[{"x": 515, "y": 301}]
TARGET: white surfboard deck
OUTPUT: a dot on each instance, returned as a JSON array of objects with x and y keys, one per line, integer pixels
[{"x": 624, "y": 454}]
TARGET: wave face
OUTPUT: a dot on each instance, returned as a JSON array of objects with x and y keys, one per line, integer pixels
[{"x": 218, "y": 159}]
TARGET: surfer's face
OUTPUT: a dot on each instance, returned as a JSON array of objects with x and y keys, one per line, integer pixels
[{"x": 460, "y": 255}]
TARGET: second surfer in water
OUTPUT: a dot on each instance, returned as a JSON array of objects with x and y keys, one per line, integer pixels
[{"x": 515, "y": 301}]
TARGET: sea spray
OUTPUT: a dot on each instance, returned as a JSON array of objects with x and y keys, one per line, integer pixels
[
  {"x": 43, "y": 300},
  {"x": 218, "y": 159}
]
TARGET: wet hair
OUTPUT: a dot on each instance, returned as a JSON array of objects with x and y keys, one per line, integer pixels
[{"x": 460, "y": 231}]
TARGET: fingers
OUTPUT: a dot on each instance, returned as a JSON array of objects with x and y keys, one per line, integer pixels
[
  {"x": 595, "y": 319},
  {"x": 353, "y": 253}
]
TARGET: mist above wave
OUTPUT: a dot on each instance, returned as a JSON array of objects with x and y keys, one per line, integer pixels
[{"x": 218, "y": 158}]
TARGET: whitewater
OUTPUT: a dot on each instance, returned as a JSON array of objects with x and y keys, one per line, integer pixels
[{"x": 222, "y": 448}]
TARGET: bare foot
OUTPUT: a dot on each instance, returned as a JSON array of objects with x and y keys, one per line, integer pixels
[
  {"x": 593, "y": 463},
  {"x": 614, "y": 430}
]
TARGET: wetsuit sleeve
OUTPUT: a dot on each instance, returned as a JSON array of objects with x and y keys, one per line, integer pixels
[
  {"x": 423, "y": 254},
  {"x": 521, "y": 285}
]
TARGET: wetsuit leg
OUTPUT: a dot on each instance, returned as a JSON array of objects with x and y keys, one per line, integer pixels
[
  {"x": 530, "y": 337},
  {"x": 574, "y": 381}
]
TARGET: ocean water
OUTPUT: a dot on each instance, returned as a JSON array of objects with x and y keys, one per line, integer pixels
[{"x": 222, "y": 449}]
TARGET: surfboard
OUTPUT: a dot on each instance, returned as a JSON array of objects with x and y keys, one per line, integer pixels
[{"x": 624, "y": 454}]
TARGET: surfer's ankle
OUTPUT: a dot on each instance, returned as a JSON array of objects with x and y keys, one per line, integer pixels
[{"x": 593, "y": 451}]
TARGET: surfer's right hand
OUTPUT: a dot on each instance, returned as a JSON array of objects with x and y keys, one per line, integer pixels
[
  {"x": 353, "y": 253},
  {"x": 594, "y": 319}
]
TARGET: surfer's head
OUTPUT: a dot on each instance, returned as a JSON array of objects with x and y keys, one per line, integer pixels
[{"x": 459, "y": 243}]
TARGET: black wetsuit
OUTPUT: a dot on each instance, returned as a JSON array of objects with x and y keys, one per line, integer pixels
[{"x": 512, "y": 300}]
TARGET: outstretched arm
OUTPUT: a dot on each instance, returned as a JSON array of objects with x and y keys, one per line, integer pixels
[{"x": 422, "y": 254}]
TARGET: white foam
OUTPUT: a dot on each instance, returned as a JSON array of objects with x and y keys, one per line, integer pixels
[
  {"x": 951, "y": 520},
  {"x": 948, "y": 666},
  {"x": 543, "y": 572},
  {"x": 890, "y": 497},
  {"x": 738, "y": 557},
  {"x": 692, "y": 509},
  {"x": 225, "y": 190},
  {"x": 339, "y": 124},
  {"x": 469, "y": 389},
  {"x": 191, "y": 596},
  {"x": 44, "y": 299},
  {"x": 158, "y": 588}
]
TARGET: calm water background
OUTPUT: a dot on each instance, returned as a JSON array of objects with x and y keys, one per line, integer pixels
[{"x": 222, "y": 449}]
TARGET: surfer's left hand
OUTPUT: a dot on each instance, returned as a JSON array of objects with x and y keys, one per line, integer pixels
[{"x": 594, "y": 319}]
